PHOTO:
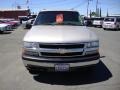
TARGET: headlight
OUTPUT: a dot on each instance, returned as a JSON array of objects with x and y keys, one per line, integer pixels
[
  {"x": 93, "y": 44},
  {"x": 30, "y": 45},
  {"x": 3, "y": 28},
  {"x": 6, "y": 28}
]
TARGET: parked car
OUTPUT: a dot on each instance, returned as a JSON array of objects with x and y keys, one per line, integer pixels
[
  {"x": 98, "y": 21},
  {"x": 29, "y": 23},
  {"x": 4, "y": 27},
  {"x": 7, "y": 21},
  {"x": 57, "y": 42},
  {"x": 111, "y": 23},
  {"x": 23, "y": 18},
  {"x": 88, "y": 21},
  {"x": 17, "y": 23},
  {"x": 32, "y": 16}
]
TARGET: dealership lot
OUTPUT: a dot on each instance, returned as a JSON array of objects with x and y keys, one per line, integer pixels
[{"x": 14, "y": 76}]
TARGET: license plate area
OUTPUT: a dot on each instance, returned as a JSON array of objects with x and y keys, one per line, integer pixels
[{"x": 62, "y": 67}]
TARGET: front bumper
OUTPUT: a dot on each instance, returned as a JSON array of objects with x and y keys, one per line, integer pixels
[
  {"x": 109, "y": 26},
  {"x": 3, "y": 29},
  {"x": 31, "y": 62}
]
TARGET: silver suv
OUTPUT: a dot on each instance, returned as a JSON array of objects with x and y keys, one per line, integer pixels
[
  {"x": 57, "y": 42},
  {"x": 111, "y": 23}
]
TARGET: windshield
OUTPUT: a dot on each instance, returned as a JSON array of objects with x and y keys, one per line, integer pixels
[
  {"x": 2, "y": 21},
  {"x": 98, "y": 19},
  {"x": 58, "y": 18},
  {"x": 109, "y": 19}
]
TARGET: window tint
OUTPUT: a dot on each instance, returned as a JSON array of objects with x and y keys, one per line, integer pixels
[
  {"x": 110, "y": 19},
  {"x": 118, "y": 19},
  {"x": 98, "y": 18}
]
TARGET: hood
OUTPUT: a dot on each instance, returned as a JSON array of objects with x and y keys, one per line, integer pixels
[
  {"x": 3, "y": 25},
  {"x": 11, "y": 23},
  {"x": 59, "y": 34}
]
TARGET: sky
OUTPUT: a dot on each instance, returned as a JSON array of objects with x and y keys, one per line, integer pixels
[{"x": 112, "y": 6}]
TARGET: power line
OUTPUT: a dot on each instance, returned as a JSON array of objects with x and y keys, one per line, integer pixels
[
  {"x": 82, "y": 3},
  {"x": 54, "y": 4},
  {"x": 29, "y": 3},
  {"x": 78, "y": 5},
  {"x": 44, "y": 3}
]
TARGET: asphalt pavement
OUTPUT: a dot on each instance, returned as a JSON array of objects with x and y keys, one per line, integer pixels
[{"x": 14, "y": 76}]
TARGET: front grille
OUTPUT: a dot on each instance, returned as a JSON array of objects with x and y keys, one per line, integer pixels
[
  {"x": 61, "y": 55},
  {"x": 71, "y": 46},
  {"x": 61, "y": 50},
  {"x": 31, "y": 53}
]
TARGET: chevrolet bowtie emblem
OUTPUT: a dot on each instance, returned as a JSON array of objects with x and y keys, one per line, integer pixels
[{"x": 62, "y": 51}]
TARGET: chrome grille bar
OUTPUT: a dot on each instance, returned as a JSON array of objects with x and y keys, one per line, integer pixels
[{"x": 61, "y": 50}]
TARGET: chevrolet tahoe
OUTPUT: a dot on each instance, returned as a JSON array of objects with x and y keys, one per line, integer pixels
[{"x": 58, "y": 42}]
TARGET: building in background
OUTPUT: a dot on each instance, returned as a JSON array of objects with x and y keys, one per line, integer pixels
[{"x": 13, "y": 13}]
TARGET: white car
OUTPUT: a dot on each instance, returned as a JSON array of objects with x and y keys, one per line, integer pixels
[
  {"x": 5, "y": 27},
  {"x": 111, "y": 23},
  {"x": 98, "y": 21},
  {"x": 57, "y": 42},
  {"x": 29, "y": 23}
]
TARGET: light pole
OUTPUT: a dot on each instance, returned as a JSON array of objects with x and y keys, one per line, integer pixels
[
  {"x": 97, "y": 7},
  {"x": 88, "y": 2},
  {"x": 27, "y": 3},
  {"x": 87, "y": 7}
]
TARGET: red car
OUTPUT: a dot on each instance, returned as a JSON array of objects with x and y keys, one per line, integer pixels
[{"x": 10, "y": 22}]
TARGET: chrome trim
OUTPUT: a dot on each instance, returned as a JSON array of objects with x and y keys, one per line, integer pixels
[
  {"x": 91, "y": 49},
  {"x": 58, "y": 50},
  {"x": 62, "y": 50},
  {"x": 52, "y": 64}
]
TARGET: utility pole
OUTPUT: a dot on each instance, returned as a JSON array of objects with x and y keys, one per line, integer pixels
[
  {"x": 27, "y": 3},
  {"x": 15, "y": 4},
  {"x": 100, "y": 13},
  {"x": 107, "y": 13},
  {"x": 87, "y": 7},
  {"x": 90, "y": 14},
  {"x": 88, "y": 2},
  {"x": 97, "y": 7}
]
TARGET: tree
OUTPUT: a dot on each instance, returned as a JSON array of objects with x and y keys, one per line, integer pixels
[
  {"x": 18, "y": 7},
  {"x": 93, "y": 14}
]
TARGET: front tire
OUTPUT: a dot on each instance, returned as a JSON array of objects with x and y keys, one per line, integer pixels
[
  {"x": 1, "y": 32},
  {"x": 104, "y": 28},
  {"x": 117, "y": 28},
  {"x": 33, "y": 72}
]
